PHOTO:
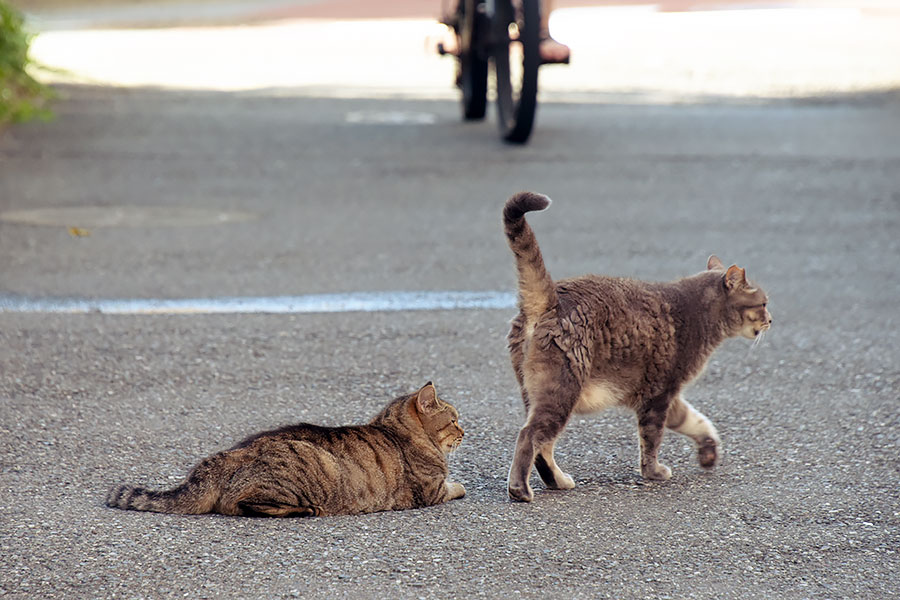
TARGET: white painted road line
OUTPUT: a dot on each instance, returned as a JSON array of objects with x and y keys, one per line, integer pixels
[{"x": 313, "y": 303}]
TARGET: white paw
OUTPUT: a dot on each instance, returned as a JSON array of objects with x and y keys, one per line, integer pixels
[
  {"x": 455, "y": 490},
  {"x": 566, "y": 482}
]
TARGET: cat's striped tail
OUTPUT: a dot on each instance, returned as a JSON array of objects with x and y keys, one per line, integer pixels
[
  {"x": 197, "y": 495},
  {"x": 537, "y": 292},
  {"x": 180, "y": 500}
]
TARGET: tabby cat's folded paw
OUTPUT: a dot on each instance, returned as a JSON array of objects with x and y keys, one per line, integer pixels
[{"x": 455, "y": 490}]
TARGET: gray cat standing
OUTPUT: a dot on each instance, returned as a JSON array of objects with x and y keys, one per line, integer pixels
[{"x": 584, "y": 344}]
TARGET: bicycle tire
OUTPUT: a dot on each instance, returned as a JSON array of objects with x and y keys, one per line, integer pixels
[
  {"x": 516, "y": 58},
  {"x": 472, "y": 29}
]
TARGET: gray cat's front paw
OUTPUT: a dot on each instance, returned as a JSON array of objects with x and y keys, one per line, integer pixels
[
  {"x": 656, "y": 472},
  {"x": 707, "y": 452}
]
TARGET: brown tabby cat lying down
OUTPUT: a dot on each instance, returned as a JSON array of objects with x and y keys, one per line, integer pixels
[
  {"x": 583, "y": 344},
  {"x": 397, "y": 461}
]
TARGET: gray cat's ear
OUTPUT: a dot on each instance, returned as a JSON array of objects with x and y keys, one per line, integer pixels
[
  {"x": 426, "y": 399},
  {"x": 735, "y": 278},
  {"x": 714, "y": 264}
]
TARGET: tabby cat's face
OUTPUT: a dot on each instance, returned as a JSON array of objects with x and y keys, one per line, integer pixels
[
  {"x": 439, "y": 419},
  {"x": 443, "y": 426}
]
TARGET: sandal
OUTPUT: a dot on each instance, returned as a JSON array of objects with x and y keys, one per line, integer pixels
[{"x": 557, "y": 57}]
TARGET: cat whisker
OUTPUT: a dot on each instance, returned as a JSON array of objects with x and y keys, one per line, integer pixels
[{"x": 759, "y": 338}]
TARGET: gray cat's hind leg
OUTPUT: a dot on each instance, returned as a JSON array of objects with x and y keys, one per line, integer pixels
[
  {"x": 547, "y": 418},
  {"x": 538, "y": 434},
  {"x": 518, "y": 487},
  {"x": 550, "y": 473},
  {"x": 687, "y": 420}
]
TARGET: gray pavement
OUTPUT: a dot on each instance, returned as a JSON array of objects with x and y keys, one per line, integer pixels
[{"x": 805, "y": 194}]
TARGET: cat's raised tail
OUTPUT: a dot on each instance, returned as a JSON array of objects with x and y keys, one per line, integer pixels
[{"x": 537, "y": 293}]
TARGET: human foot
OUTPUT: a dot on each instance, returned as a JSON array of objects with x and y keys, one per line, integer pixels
[
  {"x": 553, "y": 52},
  {"x": 446, "y": 42}
]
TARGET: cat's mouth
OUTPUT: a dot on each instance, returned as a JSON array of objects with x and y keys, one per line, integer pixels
[
  {"x": 759, "y": 334},
  {"x": 761, "y": 330}
]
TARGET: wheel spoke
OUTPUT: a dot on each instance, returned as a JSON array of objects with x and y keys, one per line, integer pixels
[{"x": 516, "y": 61}]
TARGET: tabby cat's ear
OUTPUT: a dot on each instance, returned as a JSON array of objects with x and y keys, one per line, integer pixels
[
  {"x": 714, "y": 264},
  {"x": 426, "y": 399},
  {"x": 735, "y": 278}
]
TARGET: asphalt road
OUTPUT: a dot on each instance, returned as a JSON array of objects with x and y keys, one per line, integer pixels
[{"x": 804, "y": 194}]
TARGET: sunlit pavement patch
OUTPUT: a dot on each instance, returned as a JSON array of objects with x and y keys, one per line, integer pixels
[
  {"x": 124, "y": 216},
  {"x": 641, "y": 52},
  {"x": 313, "y": 303}
]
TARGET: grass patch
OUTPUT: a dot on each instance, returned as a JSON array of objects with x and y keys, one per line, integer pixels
[{"x": 22, "y": 97}]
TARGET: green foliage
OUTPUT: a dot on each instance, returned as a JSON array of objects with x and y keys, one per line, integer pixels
[{"x": 21, "y": 97}]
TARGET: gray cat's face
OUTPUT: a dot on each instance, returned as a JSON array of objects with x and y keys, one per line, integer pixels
[
  {"x": 748, "y": 303},
  {"x": 755, "y": 317}
]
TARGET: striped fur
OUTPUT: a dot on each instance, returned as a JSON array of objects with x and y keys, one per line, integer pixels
[
  {"x": 537, "y": 292},
  {"x": 583, "y": 344},
  {"x": 395, "y": 462}
]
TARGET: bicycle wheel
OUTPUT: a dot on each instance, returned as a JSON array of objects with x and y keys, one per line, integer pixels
[
  {"x": 472, "y": 29},
  {"x": 516, "y": 29}
]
